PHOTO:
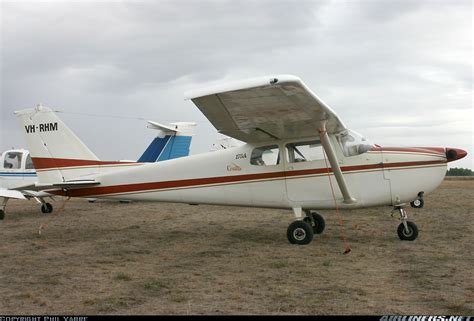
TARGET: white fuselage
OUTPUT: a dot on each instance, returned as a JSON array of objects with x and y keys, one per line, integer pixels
[{"x": 226, "y": 177}]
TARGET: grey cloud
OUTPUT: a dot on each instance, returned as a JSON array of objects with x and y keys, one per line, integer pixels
[{"x": 145, "y": 42}]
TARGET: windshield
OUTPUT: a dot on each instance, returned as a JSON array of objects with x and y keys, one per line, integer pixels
[{"x": 353, "y": 143}]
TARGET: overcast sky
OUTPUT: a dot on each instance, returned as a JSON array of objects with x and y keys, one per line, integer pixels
[{"x": 399, "y": 72}]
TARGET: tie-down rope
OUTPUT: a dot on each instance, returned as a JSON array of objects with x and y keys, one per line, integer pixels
[
  {"x": 55, "y": 214},
  {"x": 342, "y": 233}
]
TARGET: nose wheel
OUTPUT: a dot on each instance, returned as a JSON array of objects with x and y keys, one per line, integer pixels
[{"x": 407, "y": 230}]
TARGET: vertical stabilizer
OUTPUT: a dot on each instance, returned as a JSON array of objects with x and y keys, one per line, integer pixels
[{"x": 55, "y": 150}]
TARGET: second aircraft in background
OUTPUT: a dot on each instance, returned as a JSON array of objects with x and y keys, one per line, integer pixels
[{"x": 17, "y": 169}]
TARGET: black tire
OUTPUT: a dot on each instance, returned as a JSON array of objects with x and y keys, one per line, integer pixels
[
  {"x": 2, "y": 214},
  {"x": 418, "y": 203},
  {"x": 46, "y": 208},
  {"x": 300, "y": 232},
  {"x": 412, "y": 233},
  {"x": 317, "y": 222}
]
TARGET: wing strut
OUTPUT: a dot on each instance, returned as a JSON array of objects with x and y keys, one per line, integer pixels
[{"x": 348, "y": 199}]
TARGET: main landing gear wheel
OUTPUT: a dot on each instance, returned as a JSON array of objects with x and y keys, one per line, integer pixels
[
  {"x": 46, "y": 208},
  {"x": 418, "y": 203},
  {"x": 300, "y": 232},
  {"x": 316, "y": 221},
  {"x": 409, "y": 233},
  {"x": 2, "y": 214}
]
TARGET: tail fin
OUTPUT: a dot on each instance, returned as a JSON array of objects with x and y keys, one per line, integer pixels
[
  {"x": 57, "y": 153},
  {"x": 172, "y": 142}
]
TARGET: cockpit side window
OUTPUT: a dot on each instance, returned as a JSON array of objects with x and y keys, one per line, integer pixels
[
  {"x": 29, "y": 163},
  {"x": 12, "y": 160},
  {"x": 265, "y": 156},
  {"x": 305, "y": 151}
]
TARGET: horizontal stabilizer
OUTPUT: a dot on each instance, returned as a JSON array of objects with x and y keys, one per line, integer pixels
[
  {"x": 179, "y": 128},
  {"x": 67, "y": 185},
  {"x": 76, "y": 183},
  {"x": 158, "y": 126}
]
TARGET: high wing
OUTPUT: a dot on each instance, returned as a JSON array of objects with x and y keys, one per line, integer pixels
[
  {"x": 265, "y": 108},
  {"x": 6, "y": 193}
]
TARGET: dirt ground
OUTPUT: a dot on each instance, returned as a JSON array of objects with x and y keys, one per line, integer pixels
[{"x": 161, "y": 258}]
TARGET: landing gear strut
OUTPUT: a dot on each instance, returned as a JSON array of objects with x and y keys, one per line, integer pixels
[{"x": 407, "y": 230}]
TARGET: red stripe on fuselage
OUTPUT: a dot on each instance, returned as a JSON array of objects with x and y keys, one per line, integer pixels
[
  {"x": 44, "y": 163},
  {"x": 57, "y": 163},
  {"x": 199, "y": 182},
  {"x": 425, "y": 150}
]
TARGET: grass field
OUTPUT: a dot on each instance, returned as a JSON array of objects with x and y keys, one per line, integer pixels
[{"x": 162, "y": 258}]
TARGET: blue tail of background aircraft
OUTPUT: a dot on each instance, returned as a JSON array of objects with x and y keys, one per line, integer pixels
[
  {"x": 172, "y": 142},
  {"x": 168, "y": 147}
]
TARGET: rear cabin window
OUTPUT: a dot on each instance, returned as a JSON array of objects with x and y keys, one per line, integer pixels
[
  {"x": 305, "y": 151},
  {"x": 12, "y": 160},
  {"x": 29, "y": 163},
  {"x": 265, "y": 156}
]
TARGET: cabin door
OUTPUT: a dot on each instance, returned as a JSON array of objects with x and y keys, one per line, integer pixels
[{"x": 306, "y": 174}]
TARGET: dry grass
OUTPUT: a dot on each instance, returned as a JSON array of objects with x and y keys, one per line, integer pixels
[{"x": 152, "y": 258}]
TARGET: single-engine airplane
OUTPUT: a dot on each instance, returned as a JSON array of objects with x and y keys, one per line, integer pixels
[
  {"x": 295, "y": 145},
  {"x": 17, "y": 169}
]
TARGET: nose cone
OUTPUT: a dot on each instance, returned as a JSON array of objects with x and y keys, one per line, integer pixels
[{"x": 453, "y": 154}]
